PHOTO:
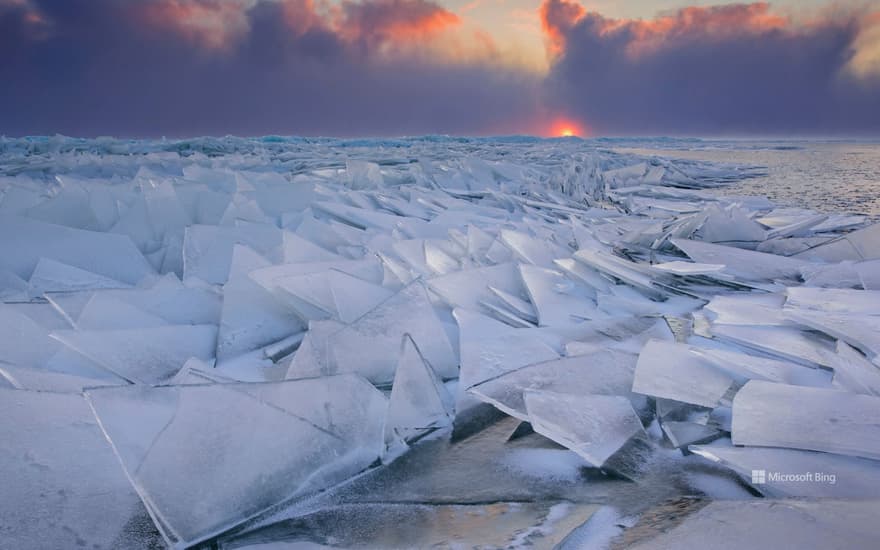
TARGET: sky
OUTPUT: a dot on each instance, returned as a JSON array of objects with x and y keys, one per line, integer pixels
[{"x": 177, "y": 68}]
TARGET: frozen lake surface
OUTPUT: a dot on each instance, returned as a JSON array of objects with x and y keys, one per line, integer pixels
[
  {"x": 828, "y": 176},
  {"x": 439, "y": 342}
]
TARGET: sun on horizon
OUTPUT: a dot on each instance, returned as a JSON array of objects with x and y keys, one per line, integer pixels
[{"x": 564, "y": 127}]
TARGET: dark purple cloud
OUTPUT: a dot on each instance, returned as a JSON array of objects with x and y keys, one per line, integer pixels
[
  {"x": 721, "y": 70},
  {"x": 392, "y": 67},
  {"x": 189, "y": 67}
]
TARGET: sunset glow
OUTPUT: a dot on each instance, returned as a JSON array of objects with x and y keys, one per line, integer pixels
[{"x": 566, "y": 128}]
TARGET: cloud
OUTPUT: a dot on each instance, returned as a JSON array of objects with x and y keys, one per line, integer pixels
[
  {"x": 727, "y": 69},
  {"x": 394, "y": 67},
  {"x": 185, "y": 67}
]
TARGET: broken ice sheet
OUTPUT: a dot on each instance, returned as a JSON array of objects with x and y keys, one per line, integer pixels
[
  {"x": 600, "y": 373},
  {"x": 853, "y": 372},
  {"x": 788, "y": 343},
  {"x": 335, "y": 293},
  {"x": 311, "y": 358},
  {"x": 53, "y": 276},
  {"x": 246, "y": 447},
  {"x": 62, "y": 486},
  {"x": 682, "y": 434},
  {"x": 743, "y": 366},
  {"x": 145, "y": 355},
  {"x": 834, "y": 300},
  {"x": 730, "y": 224},
  {"x": 853, "y": 477},
  {"x": 869, "y": 274},
  {"x": 749, "y": 309},
  {"x": 105, "y": 254},
  {"x": 862, "y": 244},
  {"x": 672, "y": 371},
  {"x": 490, "y": 348},
  {"x": 24, "y": 341},
  {"x": 251, "y": 317},
  {"x": 369, "y": 346},
  {"x": 467, "y": 288},
  {"x": 778, "y": 415},
  {"x": 533, "y": 250},
  {"x": 168, "y": 300},
  {"x": 745, "y": 264},
  {"x": 558, "y": 301},
  {"x": 688, "y": 268},
  {"x": 860, "y": 331},
  {"x": 593, "y": 426},
  {"x": 419, "y": 402}
]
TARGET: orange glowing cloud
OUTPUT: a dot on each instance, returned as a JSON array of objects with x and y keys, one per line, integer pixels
[
  {"x": 396, "y": 20},
  {"x": 713, "y": 22},
  {"x": 557, "y": 17},
  {"x": 643, "y": 36},
  {"x": 214, "y": 24}
]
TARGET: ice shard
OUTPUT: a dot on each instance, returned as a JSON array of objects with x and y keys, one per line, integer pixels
[
  {"x": 250, "y": 317},
  {"x": 599, "y": 373},
  {"x": 869, "y": 274},
  {"x": 53, "y": 276},
  {"x": 745, "y": 264},
  {"x": 672, "y": 371},
  {"x": 860, "y": 331},
  {"x": 112, "y": 256},
  {"x": 778, "y": 415},
  {"x": 558, "y": 301},
  {"x": 593, "y": 426},
  {"x": 858, "y": 245},
  {"x": 682, "y": 434},
  {"x": 369, "y": 345},
  {"x": 799, "y": 473},
  {"x": 490, "y": 348},
  {"x": 148, "y": 355},
  {"x": 419, "y": 401},
  {"x": 834, "y": 300},
  {"x": 248, "y": 446},
  {"x": 469, "y": 287},
  {"x": 784, "y": 342},
  {"x": 853, "y": 372},
  {"x": 62, "y": 484}
]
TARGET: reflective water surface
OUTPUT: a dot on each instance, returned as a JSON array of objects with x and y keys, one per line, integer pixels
[{"x": 829, "y": 176}]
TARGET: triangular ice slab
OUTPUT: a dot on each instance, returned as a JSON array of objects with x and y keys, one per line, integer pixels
[
  {"x": 143, "y": 355},
  {"x": 249, "y": 446},
  {"x": 593, "y": 426},
  {"x": 467, "y": 288},
  {"x": 558, "y": 301},
  {"x": 53, "y": 276},
  {"x": 419, "y": 401},
  {"x": 369, "y": 346},
  {"x": 251, "y": 317}
]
